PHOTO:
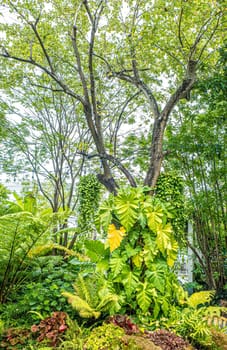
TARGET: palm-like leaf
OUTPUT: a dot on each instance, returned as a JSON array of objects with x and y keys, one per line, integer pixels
[
  {"x": 163, "y": 239},
  {"x": 144, "y": 296},
  {"x": 115, "y": 236},
  {"x": 126, "y": 208}
]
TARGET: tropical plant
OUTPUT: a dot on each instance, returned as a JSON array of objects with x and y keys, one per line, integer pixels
[
  {"x": 194, "y": 321},
  {"x": 135, "y": 266},
  {"x": 93, "y": 296},
  {"x": 19, "y": 232},
  {"x": 88, "y": 198}
]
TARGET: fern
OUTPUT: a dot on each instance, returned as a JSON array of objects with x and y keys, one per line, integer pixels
[
  {"x": 81, "y": 306},
  {"x": 200, "y": 298},
  {"x": 92, "y": 297},
  {"x": 45, "y": 248}
]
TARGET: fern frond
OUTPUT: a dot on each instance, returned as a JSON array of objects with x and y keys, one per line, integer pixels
[
  {"x": 38, "y": 250},
  {"x": 110, "y": 303},
  {"x": 200, "y": 298},
  {"x": 82, "y": 288},
  {"x": 81, "y": 306}
]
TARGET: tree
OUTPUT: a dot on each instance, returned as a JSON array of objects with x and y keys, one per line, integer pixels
[
  {"x": 197, "y": 146},
  {"x": 91, "y": 51}
]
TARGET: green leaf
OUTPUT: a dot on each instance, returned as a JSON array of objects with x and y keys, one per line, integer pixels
[
  {"x": 144, "y": 295},
  {"x": 156, "y": 275},
  {"x": 163, "y": 239},
  {"x": 117, "y": 263},
  {"x": 130, "y": 281},
  {"x": 95, "y": 250},
  {"x": 126, "y": 208},
  {"x": 154, "y": 214}
]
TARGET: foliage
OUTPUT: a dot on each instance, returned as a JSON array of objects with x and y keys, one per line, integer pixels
[
  {"x": 93, "y": 296},
  {"x": 21, "y": 228},
  {"x": 136, "y": 272},
  {"x": 200, "y": 298},
  {"x": 15, "y": 337},
  {"x": 170, "y": 189},
  {"x": 105, "y": 77},
  {"x": 106, "y": 336},
  {"x": 51, "y": 328},
  {"x": 40, "y": 293},
  {"x": 220, "y": 339},
  {"x": 197, "y": 144},
  {"x": 88, "y": 198},
  {"x": 167, "y": 340},
  {"x": 192, "y": 321},
  {"x": 124, "y": 322},
  {"x": 1, "y": 327},
  {"x": 74, "y": 336}
]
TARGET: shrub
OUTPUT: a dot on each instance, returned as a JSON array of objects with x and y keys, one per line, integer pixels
[
  {"x": 51, "y": 328},
  {"x": 167, "y": 340},
  {"x": 104, "y": 337}
]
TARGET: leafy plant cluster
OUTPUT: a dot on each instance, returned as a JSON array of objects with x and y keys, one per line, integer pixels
[
  {"x": 103, "y": 337},
  {"x": 40, "y": 294},
  {"x": 170, "y": 189},
  {"x": 15, "y": 338},
  {"x": 51, "y": 328},
  {"x": 143, "y": 251},
  {"x": 134, "y": 269},
  {"x": 167, "y": 340},
  {"x": 88, "y": 198}
]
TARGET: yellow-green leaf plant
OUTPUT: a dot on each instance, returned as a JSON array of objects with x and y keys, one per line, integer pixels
[{"x": 142, "y": 251}]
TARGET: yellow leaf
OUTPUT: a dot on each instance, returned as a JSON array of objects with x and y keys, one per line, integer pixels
[
  {"x": 115, "y": 236},
  {"x": 137, "y": 260}
]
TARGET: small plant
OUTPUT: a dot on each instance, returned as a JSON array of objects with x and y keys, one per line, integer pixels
[
  {"x": 15, "y": 338},
  {"x": 167, "y": 340},
  {"x": 93, "y": 296},
  {"x": 104, "y": 337},
  {"x": 51, "y": 328},
  {"x": 125, "y": 323}
]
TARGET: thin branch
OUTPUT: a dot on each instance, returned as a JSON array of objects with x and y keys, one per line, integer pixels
[
  {"x": 33, "y": 26},
  {"x": 65, "y": 88},
  {"x": 179, "y": 27},
  {"x": 117, "y": 125}
]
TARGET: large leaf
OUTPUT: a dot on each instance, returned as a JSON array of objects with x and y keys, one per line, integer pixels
[
  {"x": 156, "y": 276},
  {"x": 117, "y": 263},
  {"x": 144, "y": 296},
  {"x": 154, "y": 213},
  {"x": 130, "y": 281},
  {"x": 172, "y": 253},
  {"x": 95, "y": 250},
  {"x": 115, "y": 236},
  {"x": 150, "y": 248},
  {"x": 163, "y": 239},
  {"x": 126, "y": 207},
  {"x": 105, "y": 213}
]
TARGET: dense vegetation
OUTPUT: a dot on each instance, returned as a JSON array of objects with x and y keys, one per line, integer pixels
[{"x": 112, "y": 118}]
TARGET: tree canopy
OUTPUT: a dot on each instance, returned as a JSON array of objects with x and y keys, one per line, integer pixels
[{"x": 123, "y": 63}]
